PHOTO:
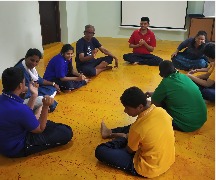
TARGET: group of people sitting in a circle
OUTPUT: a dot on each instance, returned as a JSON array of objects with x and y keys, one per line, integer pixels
[{"x": 144, "y": 148}]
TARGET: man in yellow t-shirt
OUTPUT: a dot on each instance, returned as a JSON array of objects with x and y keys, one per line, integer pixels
[
  {"x": 206, "y": 82},
  {"x": 146, "y": 148}
]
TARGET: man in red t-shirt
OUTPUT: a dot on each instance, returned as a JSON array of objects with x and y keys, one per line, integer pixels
[{"x": 143, "y": 42}]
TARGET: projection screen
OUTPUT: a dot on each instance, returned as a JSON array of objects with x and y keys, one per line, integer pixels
[{"x": 162, "y": 14}]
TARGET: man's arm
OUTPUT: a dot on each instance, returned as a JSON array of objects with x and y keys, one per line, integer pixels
[
  {"x": 47, "y": 101},
  {"x": 142, "y": 43},
  {"x": 75, "y": 73},
  {"x": 33, "y": 86},
  {"x": 134, "y": 45},
  {"x": 206, "y": 83},
  {"x": 49, "y": 83},
  {"x": 86, "y": 58},
  {"x": 105, "y": 51},
  {"x": 181, "y": 46}
]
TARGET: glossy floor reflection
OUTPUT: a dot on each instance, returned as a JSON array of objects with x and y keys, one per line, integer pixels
[{"x": 83, "y": 110}]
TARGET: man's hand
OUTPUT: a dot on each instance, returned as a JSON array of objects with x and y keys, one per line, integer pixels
[
  {"x": 141, "y": 42},
  {"x": 47, "y": 100},
  {"x": 192, "y": 71},
  {"x": 116, "y": 62},
  {"x": 175, "y": 53},
  {"x": 81, "y": 77},
  {"x": 33, "y": 87},
  {"x": 57, "y": 87},
  {"x": 94, "y": 52}
]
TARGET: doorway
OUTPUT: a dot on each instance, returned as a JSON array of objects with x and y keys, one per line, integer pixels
[{"x": 50, "y": 21}]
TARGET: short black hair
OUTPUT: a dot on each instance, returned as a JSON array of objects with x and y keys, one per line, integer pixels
[
  {"x": 166, "y": 68},
  {"x": 133, "y": 97},
  {"x": 11, "y": 78},
  {"x": 202, "y": 33},
  {"x": 66, "y": 48},
  {"x": 145, "y": 19},
  {"x": 209, "y": 50},
  {"x": 32, "y": 52}
]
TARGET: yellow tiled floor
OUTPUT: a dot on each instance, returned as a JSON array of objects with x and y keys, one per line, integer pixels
[{"x": 83, "y": 110}]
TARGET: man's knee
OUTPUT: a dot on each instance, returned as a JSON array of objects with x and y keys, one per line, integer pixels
[
  {"x": 100, "y": 152},
  {"x": 67, "y": 134},
  {"x": 126, "y": 57},
  {"x": 203, "y": 64},
  {"x": 156, "y": 61},
  {"x": 208, "y": 94},
  {"x": 109, "y": 59},
  {"x": 89, "y": 72},
  {"x": 179, "y": 64}
]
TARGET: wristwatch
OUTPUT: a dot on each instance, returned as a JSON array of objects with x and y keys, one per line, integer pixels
[{"x": 53, "y": 84}]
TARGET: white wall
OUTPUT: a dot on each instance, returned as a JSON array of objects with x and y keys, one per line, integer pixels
[
  {"x": 20, "y": 30},
  {"x": 20, "y": 25},
  {"x": 63, "y": 22},
  {"x": 209, "y": 9},
  {"x": 76, "y": 13},
  {"x": 106, "y": 17}
]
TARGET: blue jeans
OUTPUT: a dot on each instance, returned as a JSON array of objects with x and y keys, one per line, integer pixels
[
  {"x": 207, "y": 93},
  {"x": 55, "y": 134},
  {"x": 143, "y": 59},
  {"x": 183, "y": 63},
  {"x": 114, "y": 153}
]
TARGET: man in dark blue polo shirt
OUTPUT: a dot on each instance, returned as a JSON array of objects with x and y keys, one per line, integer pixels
[{"x": 21, "y": 133}]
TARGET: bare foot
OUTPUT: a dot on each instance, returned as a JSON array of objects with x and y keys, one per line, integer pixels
[
  {"x": 66, "y": 91},
  {"x": 133, "y": 63},
  {"x": 102, "y": 65},
  {"x": 58, "y": 92},
  {"x": 87, "y": 80},
  {"x": 105, "y": 132},
  {"x": 108, "y": 67}
]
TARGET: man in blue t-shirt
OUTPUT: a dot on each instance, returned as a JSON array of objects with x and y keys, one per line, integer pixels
[
  {"x": 21, "y": 133},
  {"x": 86, "y": 50}
]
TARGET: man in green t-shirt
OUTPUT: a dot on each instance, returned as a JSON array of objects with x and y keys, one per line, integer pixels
[{"x": 181, "y": 98}]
